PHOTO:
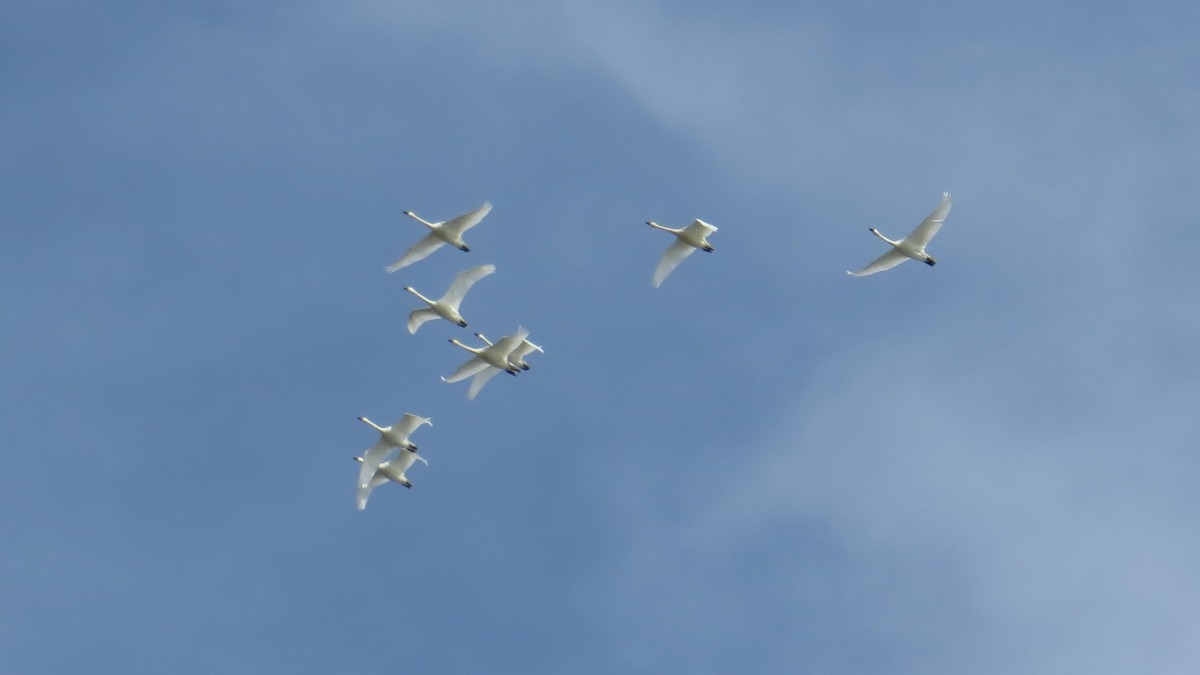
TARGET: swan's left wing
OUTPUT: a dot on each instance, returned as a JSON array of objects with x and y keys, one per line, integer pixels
[
  {"x": 419, "y": 251},
  {"x": 932, "y": 224},
  {"x": 418, "y": 317},
  {"x": 456, "y": 226},
  {"x": 472, "y": 366},
  {"x": 463, "y": 283},
  {"x": 481, "y": 378},
  {"x": 884, "y": 262},
  {"x": 671, "y": 258}
]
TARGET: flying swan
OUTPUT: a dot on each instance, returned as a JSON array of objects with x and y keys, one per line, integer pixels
[
  {"x": 687, "y": 240},
  {"x": 446, "y": 306},
  {"x": 390, "y": 438},
  {"x": 912, "y": 246},
  {"x": 392, "y": 470},
  {"x": 445, "y": 232},
  {"x": 517, "y": 356},
  {"x": 487, "y": 362}
]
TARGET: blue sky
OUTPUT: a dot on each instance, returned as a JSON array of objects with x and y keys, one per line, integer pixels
[{"x": 764, "y": 466}]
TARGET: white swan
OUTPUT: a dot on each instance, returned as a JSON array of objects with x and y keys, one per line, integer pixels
[
  {"x": 688, "y": 239},
  {"x": 912, "y": 246},
  {"x": 517, "y": 356},
  {"x": 392, "y": 470},
  {"x": 444, "y": 232},
  {"x": 446, "y": 306},
  {"x": 390, "y": 438},
  {"x": 487, "y": 362}
]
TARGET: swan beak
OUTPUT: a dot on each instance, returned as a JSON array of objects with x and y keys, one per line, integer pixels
[
  {"x": 708, "y": 249},
  {"x": 524, "y": 367},
  {"x": 464, "y": 248},
  {"x": 462, "y": 324},
  {"x": 930, "y": 261}
]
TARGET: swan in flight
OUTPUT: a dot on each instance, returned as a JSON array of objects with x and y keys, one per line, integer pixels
[
  {"x": 517, "y": 356},
  {"x": 688, "y": 239},
  {"x": 390, "y": 438},
  {"x": 391, "y": 470},
  {"x": 445, "y": 232},
  {"x": 446, "y": 306},
  {"x": 912, "y": 246},
  {"x": 487, "y": 362}
]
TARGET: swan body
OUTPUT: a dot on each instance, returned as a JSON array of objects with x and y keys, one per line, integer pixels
[
  {"x": 440, "y": 233},
  {"x": 687, "y": 240},
  {"x": 487, "y": 362},
  {"x": 912, "y": 246},
  {"x": 391, "y": 470},
  {"x": 446, "y": 307},
  {"x": 390, "y": 438},
  {"x": 517, "y": 356}
]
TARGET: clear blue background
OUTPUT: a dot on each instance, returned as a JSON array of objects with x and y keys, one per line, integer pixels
[{"x": 764, "y": 466}]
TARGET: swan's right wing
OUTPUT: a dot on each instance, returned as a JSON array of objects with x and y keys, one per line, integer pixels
[
  {"x": 671, "y": 258},
  {"x": 930, "y": 226},
  {"x": 418, "y": 317},
  {"x": 701, "y": 229},
  {"x": 419, "y": 251},
  {"x": 508, "y": 343},
  {"x": 456, "y": 226},
  {"x": 409, "y": 423},
  {"x": 463, "y": 283},
  {"x": 481, "y": 378},
  {"x": 472, "y": 366},
  {"x": 884, "y": 262}
]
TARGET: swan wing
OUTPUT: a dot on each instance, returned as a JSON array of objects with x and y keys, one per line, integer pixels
[
  {"x": 671, "y": 258},
  {"x": 376, "y": 455},
  {"x": 409, "y": 423},
  {"x": 463, "y": 283},
  {"x": 932, "y": 224},
  {"x": 472, "y": 366},
  {"x": 419, "y": 251},
  {"x": 481, "y": 378},
  {"x": 456, "y": 226},
  {"x": 884, "y": 262},
  {"x": 509, "y": 343},
  {"x": 418, "y": 317},
  {"x": 701, "y": 229},
  {"x": 524, "y": 348}
]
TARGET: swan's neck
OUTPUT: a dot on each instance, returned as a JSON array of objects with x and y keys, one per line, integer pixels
[
  {"x": 656, "y": 226},
  {"x": 473, "y": 350},
  {"x": 412, "y": 290},
  {"x": 421, "y": 220},
  {"x": 877, "y": 234},
  {"x": 481, "y": 337},
  {"x": 374, "y": 426}
]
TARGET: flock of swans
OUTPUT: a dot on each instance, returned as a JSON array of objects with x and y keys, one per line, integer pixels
[{"x": 394, "y": 453}]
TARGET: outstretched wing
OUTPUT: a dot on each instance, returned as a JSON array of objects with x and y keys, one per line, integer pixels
[
  {"x": 409, "y": 423},
  {"x": 472, "y": 366},
  {"x": 508, "y": 343},
  {"x": 456, "y": 226},
  {"x": 701, "y": 229},
  {"x": 884, "y": 262},
  {"x": 419, "y": 251},
  {"x": 418, "y": 317},
  {"x": 463, "y": 283},
  {"x": 671, "y": 258},
  {"x": 932, "y": 224},
  {"x": 481, "y": 378}
]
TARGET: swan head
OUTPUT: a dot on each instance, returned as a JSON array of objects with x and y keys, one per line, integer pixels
[
  {"x": 464, "y": 248},
  {"x": 407, "y": 483},
  {"x": 929, "y": 260},
  {"x": 462, "y": 324},
  {"x": 360, "y": 460},
  {"x": 708, "y": 248}
]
